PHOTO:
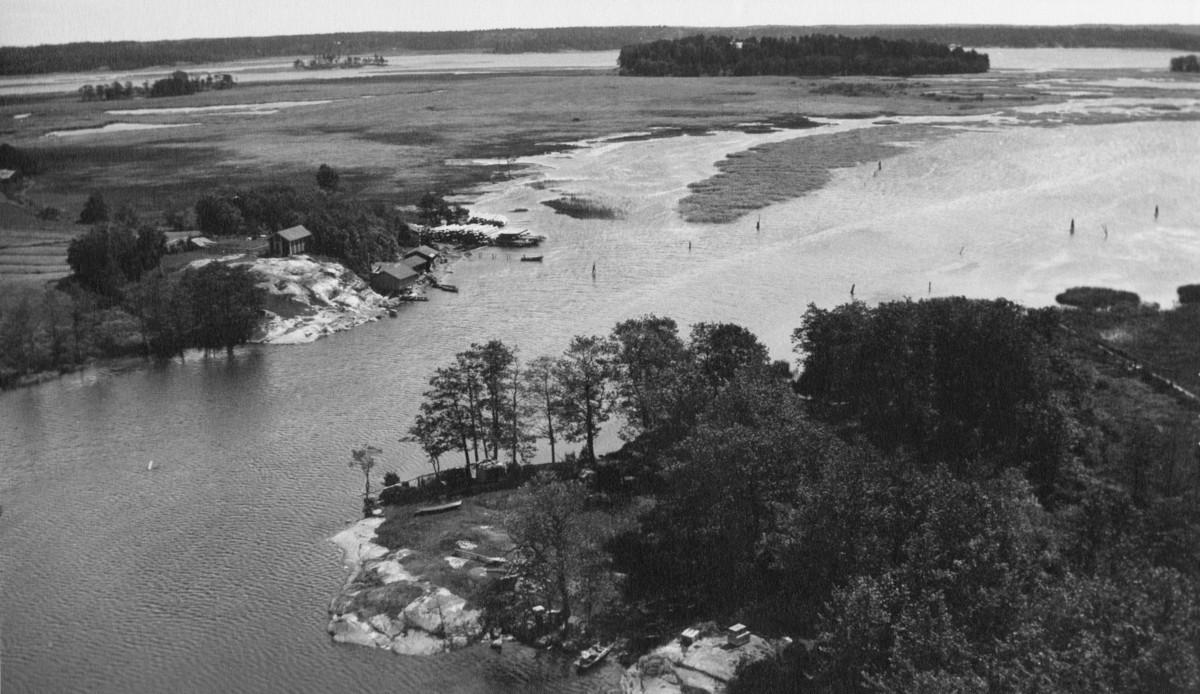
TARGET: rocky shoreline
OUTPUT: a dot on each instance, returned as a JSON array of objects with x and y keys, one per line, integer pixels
[
  {"x": 704, "y": 666},
  {"x": 388, "y": 602},
  {"x": 309, "y": 299},
  {"x": 385, "y": 606}
]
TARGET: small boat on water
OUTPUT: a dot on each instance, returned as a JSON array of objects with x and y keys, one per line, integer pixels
[
  {"x": 440, "y": 508},
  {"x": 531, "y": 258},
  {"x": 446, "y": 287},
  {"x": 591, "y": 656}
]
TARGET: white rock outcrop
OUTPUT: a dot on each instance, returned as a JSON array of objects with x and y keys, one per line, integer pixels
[
  {"x": 434, "y": 621},
  {"x": 321, "y": 297},
  {"x": 704, "y": 667}
]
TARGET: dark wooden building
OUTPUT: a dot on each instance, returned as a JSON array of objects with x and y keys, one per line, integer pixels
[
  {"x": 290, "y": 241},
  {"x": 421, "y": 258},
  {"x": 392, "y": 278}
]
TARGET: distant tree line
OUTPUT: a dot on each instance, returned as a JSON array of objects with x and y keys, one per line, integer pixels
[
  {"x": 818, "y": 54},
  {"x": 130, "y": 55},
  {"x": 179, "y": 83}
]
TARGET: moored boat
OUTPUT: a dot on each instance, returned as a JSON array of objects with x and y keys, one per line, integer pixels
[
  {"x": 591, "y": 656},
  {"x": 531, "y": 258},
  {"x": 440, "y": 508}
]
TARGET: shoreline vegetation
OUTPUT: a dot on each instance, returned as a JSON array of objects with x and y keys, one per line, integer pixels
[
  {"x": 967, "y": 452},
  {"x": 128, "y": 55}
]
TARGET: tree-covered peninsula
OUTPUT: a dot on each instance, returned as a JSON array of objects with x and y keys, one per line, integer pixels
[
  {"x": 817, "y": 54},
  {"x": 954, "y": 496}
]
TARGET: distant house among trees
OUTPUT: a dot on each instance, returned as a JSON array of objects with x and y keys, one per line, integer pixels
[
  {"x": 392, "y": 278},
  {"x": 290, "y": 241}
]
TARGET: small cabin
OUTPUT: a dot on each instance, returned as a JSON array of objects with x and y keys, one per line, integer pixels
[
  {"x": 689, "y": 636},
  {"x": 393, "y": 278},
  {"x": 290, "y": 241},
  {"x": 422, "y": 258},
  {"x": 737, "y": 635}
]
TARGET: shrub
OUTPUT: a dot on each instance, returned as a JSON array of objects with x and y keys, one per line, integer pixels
[
  {"x": 95, "y": 210},
  {"x": 1093, "y": 298}
]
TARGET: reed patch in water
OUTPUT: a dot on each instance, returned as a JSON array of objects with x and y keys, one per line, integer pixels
[
  {"x": 581, "y": 207},
  {"x": 771, "y": 173}
]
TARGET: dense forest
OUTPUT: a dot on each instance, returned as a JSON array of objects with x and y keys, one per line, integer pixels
[
  {"x": 818, "y": 54},
  {"x": 131, "y": 55},
  {"x": 955, "y": 496}
]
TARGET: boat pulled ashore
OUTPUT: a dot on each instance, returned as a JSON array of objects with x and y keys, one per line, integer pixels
[
  {"x": 440, "y": 508},
  {"x": 591, "y": 656}
]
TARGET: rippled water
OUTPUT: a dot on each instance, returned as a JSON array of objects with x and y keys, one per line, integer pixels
[{"x": 213, "y": 571}]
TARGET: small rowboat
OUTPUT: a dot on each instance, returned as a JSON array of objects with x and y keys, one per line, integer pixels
[
  {"x": 441, "y": 508},
  {"x": 591, "y": 657},
  {"x": 531, "y": 258}
]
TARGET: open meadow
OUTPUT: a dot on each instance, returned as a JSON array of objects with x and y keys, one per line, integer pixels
[{"x": 394, "y": 138}]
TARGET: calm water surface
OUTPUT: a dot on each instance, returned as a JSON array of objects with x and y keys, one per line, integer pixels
[{"x": 212, "y": 572}]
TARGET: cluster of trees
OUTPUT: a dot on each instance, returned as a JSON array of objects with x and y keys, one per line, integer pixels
[
  {"x": 944, "y": 501},
  {"x": 111, "y": 255},
  {"x": 359, "y": 234},
  {"x": 179, "y": 83},
  {"x": 1185, "y": 63},
  {"x": 212, "y": 307},
  {"x": 433, "y": 210},
  {"x": 61, "y": 328},
  {"x": 817, "y": 54},
  {"x": 118, "y": 302},
  {"x": 128, "y": 55},
  {"x": 51, "y": 330},
  {"x": 486, "y": 406},
  {"x": 333, "y": 60}
]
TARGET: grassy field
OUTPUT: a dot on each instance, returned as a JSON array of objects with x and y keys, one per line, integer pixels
[{"x": 392, "y": 139}]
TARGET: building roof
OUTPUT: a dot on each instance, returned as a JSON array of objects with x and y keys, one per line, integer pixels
[
  {"x": 294, "y": 233},
  {"x": 400, "y": 271},
  {"x": 425, "y": 251}
]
